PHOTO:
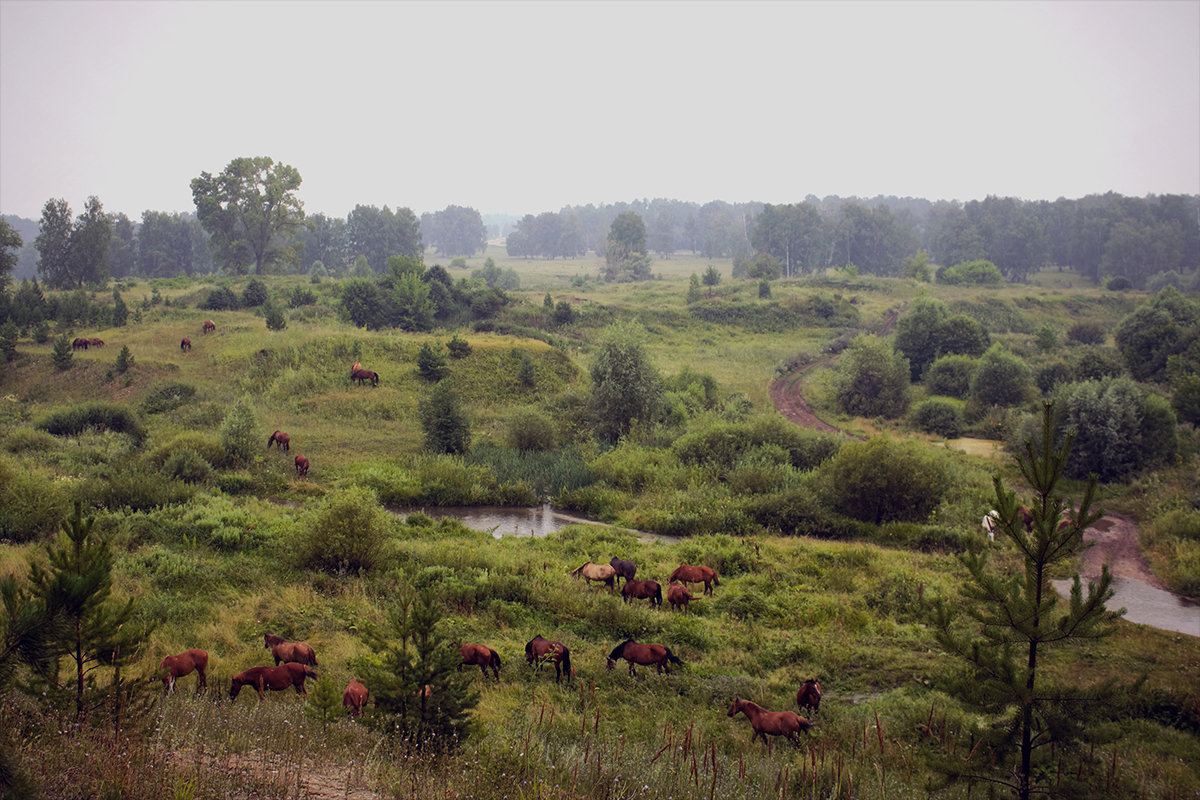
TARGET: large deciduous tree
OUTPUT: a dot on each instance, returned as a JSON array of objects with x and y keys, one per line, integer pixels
[
  {"x": 380, "y": 234},
  {"x": 10, "y": 246},
  {"x": 53, "y": 243},
  {"x": 247, "y": 208},
  {"x": 625, "y": 385},
  {"x": 1166, "y": 326},
  {"x": 454, "y": 231},
  {"x": 626, "y": 257},
  {"x": 90, "y": 237},
  {"x": 1013, "y": 620},
  {"x": 873, "y": 379}
]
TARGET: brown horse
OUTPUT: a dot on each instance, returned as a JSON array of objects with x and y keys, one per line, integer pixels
[
  {"x": 772, "y": 723},
  {"x": 357, "y": 365},
  {"x": 706, "y": 575},
  {"x": 185, "y": 344},
  {"x": 540, "y": 651},
  {"x": 209, "y": 326},
  {"x": 809, "y": 696},
  {"x": 272, "y": 679},
  {"x": 642, "y": 590},
  {"x": 354, "y": 697},
  {"x": 79, "y": 344},
  {"x": 1026, "y": 517},
  {"x": 174, "y": 667},
  {"x": 602, "y": 573},
  {"x": 94, "y": 342},
  {"x": 625, "y": 569},
  {"x": 679, "y": 597},
  {"x": 301, "y": 466},
  {"x": 645, "y": 654},
  {"x": 361, "y": 375},
  {"x": 284, "y": 651},
  {"x": 280, "y": 438},
  {"x": 482, "y": 655}
]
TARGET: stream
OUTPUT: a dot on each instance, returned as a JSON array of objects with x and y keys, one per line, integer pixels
[{"x": 502, "y": 521}]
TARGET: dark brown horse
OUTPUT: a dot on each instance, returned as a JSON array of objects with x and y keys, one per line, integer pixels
[
  {"x": 679, "y": 597},
  {"x": 174, "y": 667},
  {"x": 706, "y": 575},
  {"x": 540, "y": 651},
  {"x": 362, "y": 375},
  {"x": 809, "y": 697},
  {"x": 642, "y": 590},
  {"x": 657, "y": 655},
  {"x": 79, "y": 344},
  {"x": 355, "y": 697},
  {"x": 185, "y": 344},
  {"x": 94, "y": 342},
  {"x": 1026, "y": 517},
  {"x": 482, "y": 655},
  {"x": 301, "y": 466},
  {"x": 625, "y": 569},
  {"x": 284, "y": 651},
  {"x": 272, "y": 679},
  {"x": 601, "y": 573},
  {"x": 280, "y": 438},
  {"x": 771, "y": 723},
  {"x": 209, "y": 326}
]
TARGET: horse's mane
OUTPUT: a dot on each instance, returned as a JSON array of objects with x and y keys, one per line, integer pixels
[{"x": 617, "y": 650}]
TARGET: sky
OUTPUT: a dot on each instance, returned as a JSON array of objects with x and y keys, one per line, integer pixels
[{"x": 525, "y": 107}]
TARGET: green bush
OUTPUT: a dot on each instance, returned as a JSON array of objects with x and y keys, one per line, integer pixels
[
  {"x": 133, "y": 489},
  {"x": 1053, "y": 374},
  {"x": 61, "y": 354},
  {"x": 872, "y": 379},
  {"x": 102, "y": 416},
  {"x": 1087, "y": 332},
  {"x": 971, "y": 273},
  {"x": 950, "y": 376},
  {"x": 458, "y": 347},
  {"x": 255, "y": 294},
  {"x": 31, "y": 507},
  {"x": 881, "y": 480},
  {"x": 939, "y": 417},
  {"x": 1000, "y": 379},
  {"x": 29, "y": 440},
  {"x": 206, "y": 445},
  {"x": 529, "y": 431},
  {"x": 241, "y": 436},
  {"x": 431, "y": 362},
  {"x": 222, "y": 299},
  {"x": 188, "y": 466},
  {"x": 346, "y": 533},
  {"x": 167, "y": 397}
]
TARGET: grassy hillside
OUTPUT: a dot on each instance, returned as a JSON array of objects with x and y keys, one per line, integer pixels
[{"x": 217, "y": 560}]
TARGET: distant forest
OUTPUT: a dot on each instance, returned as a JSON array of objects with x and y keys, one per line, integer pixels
[{"x": 1147, "y": 241}]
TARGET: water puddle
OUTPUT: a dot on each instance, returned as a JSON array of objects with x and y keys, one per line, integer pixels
[
  {"x": 502, "y": 521},
  {"x": 1148, "y": 605}
]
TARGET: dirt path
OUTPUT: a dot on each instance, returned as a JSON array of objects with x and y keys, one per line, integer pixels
[
  {"x": 787, "y": 395},
  {"x": 1116, "y": 543}
]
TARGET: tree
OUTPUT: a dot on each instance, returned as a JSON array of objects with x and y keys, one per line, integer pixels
[
  {"x": 1000, "y": 378},
  {"x": 880, "y": 480},
  {"x": 1118, "y": 428},
  {"x": 120, "y": 311},
  {"x": 1185, "y": 399},
  {"x": 8, "y": 340},
  {"x": 10, "y": 247},
  {"x": 122, "y": 247},
  {"x": 53, "y": 244},
  {"x": 793, "y": 235},
  {"x": 414, "y": 676},
  {"x": 347, "y": 533},
  {"x": 379, "y": 233},
  {"x": 712, "y": 278},
  {"x": 455, "y": 231},
  {"x": 77, "y": 588},
  {"x": 444, "y": 422},
  {"x": 240, "y": 435},
  {"x": 431, "y": 361},
  {"x": 872, "y": 379},
  {"x": 626, "y": 257},
  {"x": 247, "y": 209},
  {"x": 1168, "y": 325},
  {"x": 625, "y": 385},
  {"x": 693, "y": 295},
  {"x": 275, "y": 318},
  {"x": 1013, "y": 619},
  {"x": 61, "y": 353},
  {"x": 255, "y": 294},
  {"x": 124, "y": 359}
]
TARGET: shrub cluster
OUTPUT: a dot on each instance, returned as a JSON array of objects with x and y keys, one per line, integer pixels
[{"x": 102, "y": 416}]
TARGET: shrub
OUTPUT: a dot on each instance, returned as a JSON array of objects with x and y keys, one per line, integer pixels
[
  {"x": 1097, "y": 363},
  {"x": 222, "y": 299},
  {"x": 346, "y": 533},
  {"x": 458, "y": 347},
  {"x": 301, "y": 296},
  {"x": 1052, "y": 375},
  {"x": 950, "y": 376},
  {"x": 124, "y": 359},
  {"x": 29, "y": 440},
  {"x": 9, "y": 334},
  {"x": 30, "y": 506},
  {"x": 529, "y": 431},
  {"x": 61, "y": 354},
  {"x": 1087, "y": 333},
  {"x": 1000, "y": 379},
  {"x": 188, "y": 466},
  {"x": 240, "y": 433},
  {"x": 1185, "y": 399},
  {"x": 880, "y": 480},
  {"x": 444, "y": 422},
  {"x": 431, "y": 362},
  {"x": 255, "y": 294},
  {"x": 133, "y": 489},
  {"x": 275, "y": 318},
  {"x": 99, "y": 415},
  {"x": 939, "y": 417},
  {"x": 206, "y": 445},
  {"x": 1118, "y": 283},
  {"x": 971, "y": 273},
  {"x": 872, "y": 379},
  {"x": 167, "y": 397}
]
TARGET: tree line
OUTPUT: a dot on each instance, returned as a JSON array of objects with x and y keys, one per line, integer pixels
[{"x": 249, "y": 218}]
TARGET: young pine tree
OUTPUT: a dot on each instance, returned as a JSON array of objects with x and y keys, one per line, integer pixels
[
  {"x": 414, "y": 679},
  {"x": 1011, "y": 622},
  {"x": 61, "y": 354},
  {"x": 76, "y": 590}
]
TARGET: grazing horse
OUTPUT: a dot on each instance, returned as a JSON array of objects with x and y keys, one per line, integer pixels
[
  {"x": 706, "y": 575},
  {"x": 209, "y": 326},
  {"x": 283, "y": 650},
  {"x": 482, "y": 655},
  {"x": 1026, "y": 518},
  {"x": 301, "y": 466},
  {"x": 272, "y": 679},
  {"x": 174, "y": 667},
  {"x": 361, "y": 375},
  {"x": 357, "y": 366},
  {"x": 185, "y": 344},
  {"x": 79, "y": 344},
  {"x": 809, "y": 696},
  {"x": 94, "y": 342},
  {"x": 280, "y": 438},
  {"x": 642, "y": 590},
  {"x": 539, "y": 651},
  {"x": 679, "y": 597},
  {"x": 625, "y": 569},
  {"x": 644, "y": 654},
  {"x": 991, "y": 521},
  {"x": 773, "y": 723},
  {"x": 354, "y": 697},
  {"x": 595, "y": 572}
]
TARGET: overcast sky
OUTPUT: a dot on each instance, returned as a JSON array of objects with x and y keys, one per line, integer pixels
[{"x": 526, "y": 107}]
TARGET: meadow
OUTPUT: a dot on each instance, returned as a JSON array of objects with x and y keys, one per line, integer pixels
[{"x": 218, "y": 559}]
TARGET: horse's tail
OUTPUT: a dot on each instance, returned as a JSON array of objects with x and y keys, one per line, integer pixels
[
  {"x": 566, "y": 661},
  {"x": 658, "y": 594},
  {"x": 312, "y": 656},
  {"x": 674, "y": 659},
  {"x": 495, "y": 659}
]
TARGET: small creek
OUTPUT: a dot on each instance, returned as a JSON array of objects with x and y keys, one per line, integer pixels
[
  {"x": 1148, "y": 605},
  {"x": 514, "y": 521}
]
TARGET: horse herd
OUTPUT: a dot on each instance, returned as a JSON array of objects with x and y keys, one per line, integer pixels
[
  {"x": 614, "y": 571},
  {"x": 992, "y": 522}
]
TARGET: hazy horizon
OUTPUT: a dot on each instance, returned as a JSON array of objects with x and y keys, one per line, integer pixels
[{"x": 515, "y": 107}]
